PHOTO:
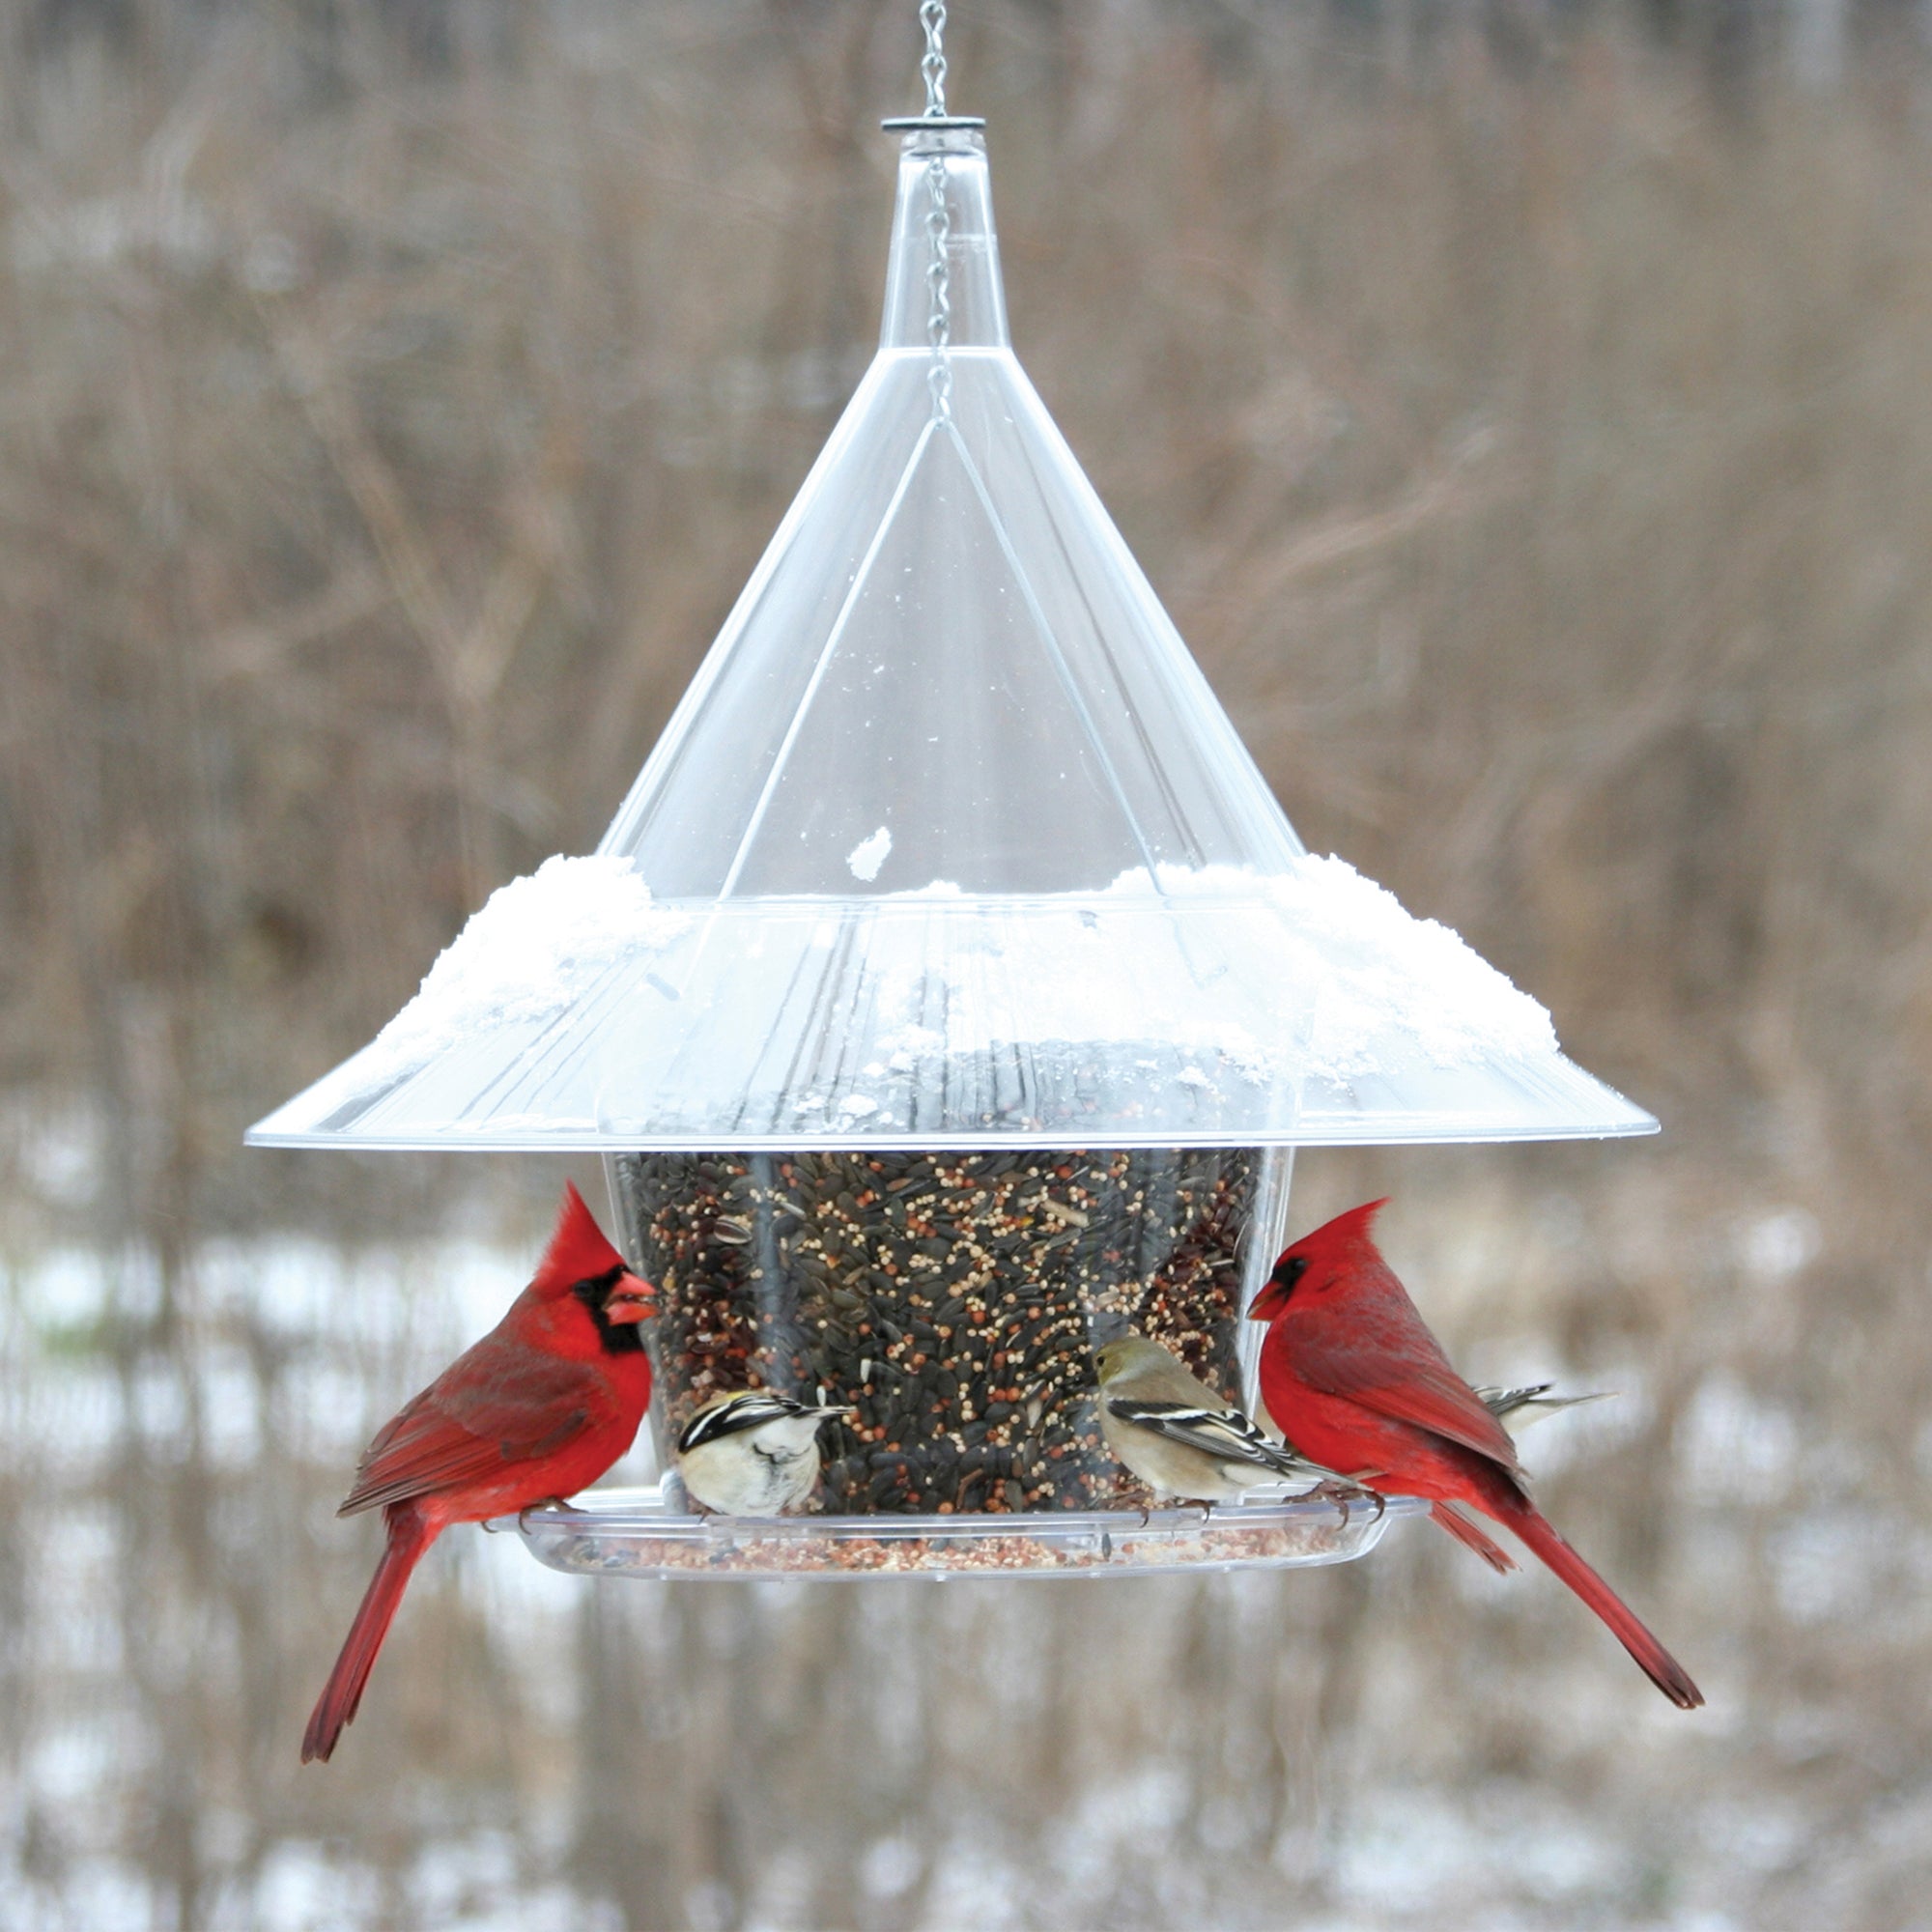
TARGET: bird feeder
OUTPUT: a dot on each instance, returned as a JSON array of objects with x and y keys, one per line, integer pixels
[{"x": 950, "y": 987}]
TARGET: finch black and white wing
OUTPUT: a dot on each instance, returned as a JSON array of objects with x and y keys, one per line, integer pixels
[
  {"x": 1226, "y": 1434},
  {"x": 752, "y": 1409},
  {"x": 1515, "y": 1409},
  {"x": 1503, "y": 1402}
]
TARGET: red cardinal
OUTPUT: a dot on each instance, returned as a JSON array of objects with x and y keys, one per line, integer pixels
[
  {"x": 1355, "y": 1381},
  {"x": 542, "y": 1406}
]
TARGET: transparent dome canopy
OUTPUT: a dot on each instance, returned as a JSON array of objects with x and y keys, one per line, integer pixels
[{"x": 950, "y": 843}]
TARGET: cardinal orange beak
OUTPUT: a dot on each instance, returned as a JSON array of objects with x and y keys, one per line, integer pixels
[{"x": 633, "y": 1299}]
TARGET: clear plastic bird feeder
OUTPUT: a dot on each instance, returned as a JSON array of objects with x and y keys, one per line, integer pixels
[{"x": 949, "y": 983}]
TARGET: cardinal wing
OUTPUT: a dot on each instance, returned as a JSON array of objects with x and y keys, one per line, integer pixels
[
  {"x": 496, "y": 1408},
  {"x": 1227, "y": 1435},
  {"x": 1413, "y": 1384}
]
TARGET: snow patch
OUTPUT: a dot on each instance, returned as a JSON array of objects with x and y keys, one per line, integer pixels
[
  {"x": 1381, "y": 972},
  {"x": 1173, "y": 996},
  {"x": 533, "y": 950},
  {"x": 866, "y": 857},
  {"x": 1174, "y": 955}
]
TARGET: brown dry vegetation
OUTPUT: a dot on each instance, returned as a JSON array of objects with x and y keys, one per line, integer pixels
[{"x": 1532, "y": 437}]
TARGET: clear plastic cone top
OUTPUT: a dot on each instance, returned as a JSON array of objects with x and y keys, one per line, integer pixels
[{"x": 950, "y": 843}]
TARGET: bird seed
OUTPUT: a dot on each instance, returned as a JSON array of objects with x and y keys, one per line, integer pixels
[{"x": 951, "y": 1298}]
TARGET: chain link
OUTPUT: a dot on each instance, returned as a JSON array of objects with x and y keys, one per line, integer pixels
[
  {"x": 939, "y": 290},
  {"x": 932, "y": 18},
  {"x": 938, "y": 218}
]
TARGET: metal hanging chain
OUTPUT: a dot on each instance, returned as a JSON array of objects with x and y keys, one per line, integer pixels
[
  {"x": 938, "y": 218},
  {"x": 939, "y": 291},
  {"x": 932, "y": 18},
  {"x": 932, "y": 69}
]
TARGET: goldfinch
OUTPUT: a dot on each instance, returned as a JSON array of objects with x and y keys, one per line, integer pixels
[{"x": 1177, "y": 1434}]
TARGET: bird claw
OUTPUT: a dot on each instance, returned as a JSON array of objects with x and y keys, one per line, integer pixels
[
  {"x": 1346, "y": 1493},
  {"x": 1359, "y": 1482}
]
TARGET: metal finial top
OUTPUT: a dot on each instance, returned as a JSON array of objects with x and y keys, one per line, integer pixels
[{"x": 932, "y": 67}]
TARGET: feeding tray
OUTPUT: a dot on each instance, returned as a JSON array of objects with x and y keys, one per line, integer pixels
[
  {"x": 948, "y": 983},
  {"x": 650, "y": 1533}
]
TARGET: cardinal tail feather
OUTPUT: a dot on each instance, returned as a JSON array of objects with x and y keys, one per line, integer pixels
[
  {"x": 1657, "y": 1663},
  {"x": 1464, "y": 1531},
  {"x": 409, "y": 1537}
]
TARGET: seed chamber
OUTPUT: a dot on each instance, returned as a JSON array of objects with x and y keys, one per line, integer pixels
[
  {"x": 953, "y": 1300},
  {"x": 948, "y": 991}
]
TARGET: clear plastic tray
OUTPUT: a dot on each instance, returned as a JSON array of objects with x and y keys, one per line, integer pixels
[{"x": 649, "y": 1533}]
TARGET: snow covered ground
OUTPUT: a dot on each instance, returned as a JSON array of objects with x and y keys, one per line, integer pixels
[{"x": 1408, "y": 1744}]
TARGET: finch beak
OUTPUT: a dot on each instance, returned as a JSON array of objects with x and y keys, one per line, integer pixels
[{"x": 631, "y": 1300}]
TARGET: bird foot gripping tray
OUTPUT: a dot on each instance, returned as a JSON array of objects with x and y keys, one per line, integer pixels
[{"x": 948, "y": 983}]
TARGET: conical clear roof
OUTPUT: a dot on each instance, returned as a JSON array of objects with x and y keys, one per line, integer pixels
[{"x": 949, "y": 842}]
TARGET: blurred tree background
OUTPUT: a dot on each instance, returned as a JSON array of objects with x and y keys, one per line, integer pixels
[{"x": 1526, "y": 410}]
